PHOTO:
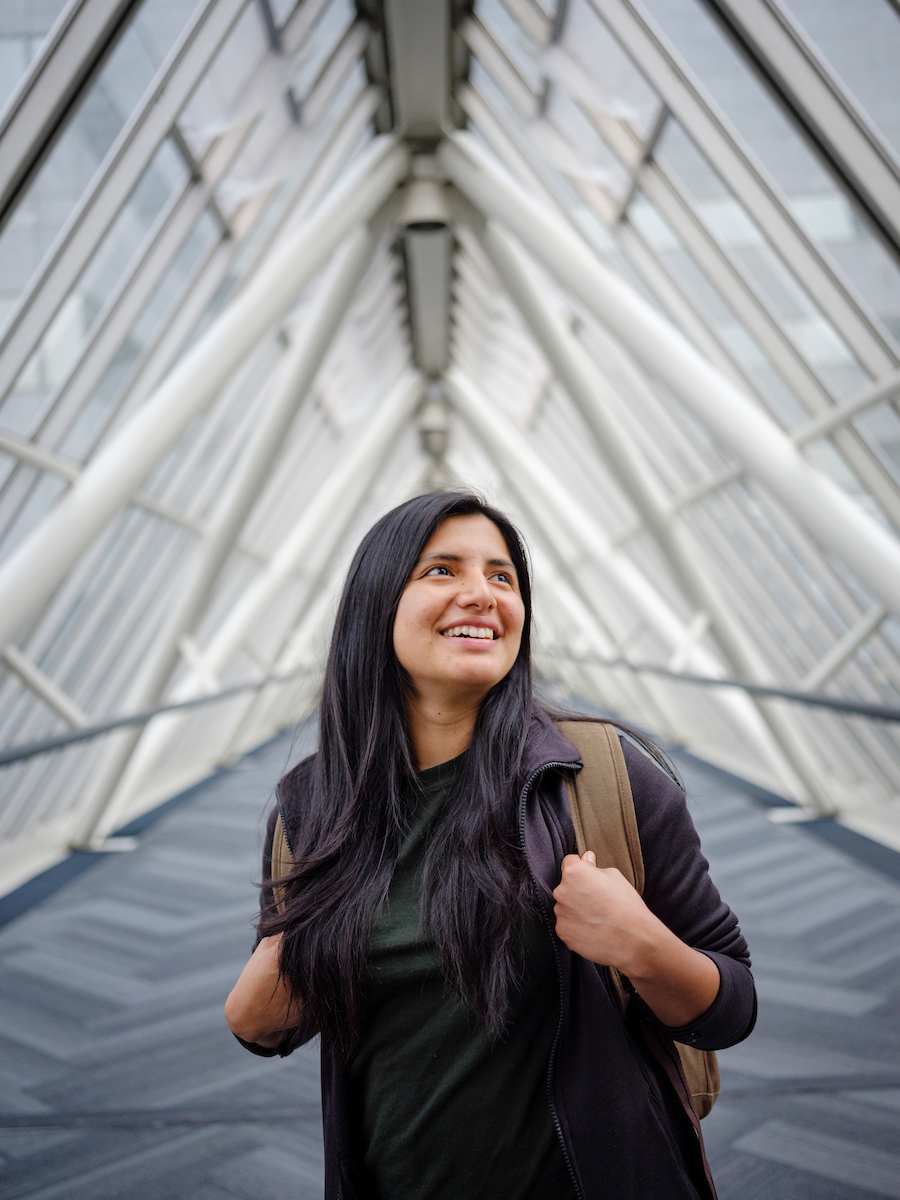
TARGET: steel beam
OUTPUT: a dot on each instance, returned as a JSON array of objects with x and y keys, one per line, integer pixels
[
  {"x": 876, "y": 393},
  {"x": 73, "y": 51},
  {"x": 829, "y": 514},
  {"x": 843, "y": 650},
  {"x": 819, "y": 102},
  {"x": 552, "y": 507},
  {"x": 44, "y": 687},
  {"x": 40, "y": 562},
  {"x": 350, "y": 478},
  {"x": 121, "y": 169},
  {"x": 687, "y": 100},
  {"x": 294, "y": 377}
]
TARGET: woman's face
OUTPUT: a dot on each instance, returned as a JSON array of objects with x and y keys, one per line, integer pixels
[{"x": 459, "y": 623}]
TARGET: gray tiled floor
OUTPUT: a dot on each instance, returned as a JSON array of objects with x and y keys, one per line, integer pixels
[
  {"x": 825, "y": 936},
  {"x": 113, "y": 1047}
]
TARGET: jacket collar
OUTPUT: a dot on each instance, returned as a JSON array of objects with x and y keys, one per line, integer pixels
[{"x": 546, "y": 745}]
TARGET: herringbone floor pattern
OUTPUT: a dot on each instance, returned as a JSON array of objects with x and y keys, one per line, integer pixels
[{"x": 119, "y": 1079}]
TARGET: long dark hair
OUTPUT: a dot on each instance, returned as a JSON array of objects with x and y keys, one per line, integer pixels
[{"x": 352, "y": 815}]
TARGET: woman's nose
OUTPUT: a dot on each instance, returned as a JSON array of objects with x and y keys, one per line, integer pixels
[{"x": 476, "y": 591}]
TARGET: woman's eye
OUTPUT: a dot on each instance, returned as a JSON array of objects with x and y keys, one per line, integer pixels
[
  {"x": 432, "y": 570},
  {"x": 502, "y": 575}
]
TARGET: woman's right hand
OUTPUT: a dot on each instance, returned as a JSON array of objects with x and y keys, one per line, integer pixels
[{"x": 260, "y": 1007}]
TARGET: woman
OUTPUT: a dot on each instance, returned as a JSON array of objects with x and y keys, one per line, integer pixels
[{"x": 440, "y": 934}]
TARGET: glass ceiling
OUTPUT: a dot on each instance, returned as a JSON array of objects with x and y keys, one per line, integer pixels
[{"x": 741, "y": 174}]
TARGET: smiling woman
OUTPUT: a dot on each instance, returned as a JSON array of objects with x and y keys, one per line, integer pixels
[
  {"x": 457, "y": 633},
  {"x": 438, "y": 932}
]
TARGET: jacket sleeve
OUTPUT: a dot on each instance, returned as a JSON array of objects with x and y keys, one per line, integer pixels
[
  {"x": 301, "y": 1033},
  {"x": 679, "y": 891}
]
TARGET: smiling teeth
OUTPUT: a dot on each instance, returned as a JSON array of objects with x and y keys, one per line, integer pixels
[{"x": 470, "y": 631}]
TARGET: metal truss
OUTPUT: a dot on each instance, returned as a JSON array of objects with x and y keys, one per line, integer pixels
[{"x": 316, "y": 320}]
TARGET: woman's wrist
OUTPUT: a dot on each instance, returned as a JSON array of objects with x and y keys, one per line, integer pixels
[
  {"x": 650, "y": 952},
  {"x": 678, "y": 984}
]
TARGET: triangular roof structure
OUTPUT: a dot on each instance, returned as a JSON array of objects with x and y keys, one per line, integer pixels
[{"x": 266, "y": 269}]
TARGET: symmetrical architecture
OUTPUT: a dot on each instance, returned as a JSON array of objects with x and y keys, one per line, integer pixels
[{"x": 631, "y": 268}]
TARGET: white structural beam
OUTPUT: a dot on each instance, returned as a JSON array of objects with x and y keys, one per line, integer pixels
[
  {"x": 687, "y": 99},
  {"x": 30, "y": 575},
  {"x": 293, "y": 380},
  {"x": 843, "y": 650},
  {"x": 870, "y": 397},
  {"x": 829, "y": 514},
  {"x": 552, "y": 506},
  {"x": 270, "y": 709},
  {"x": 42, "y": 459},
  {"x": 123, "y": 166},
  {"x": 594, "y": 398},
  {"x": 821, "y": 102},
  {"x": 354, "y": 471},
  {"x": 44, "y": 687},
  {"x": 346, "y": 486}
]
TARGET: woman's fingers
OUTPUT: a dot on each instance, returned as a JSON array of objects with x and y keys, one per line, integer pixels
[{"x": 598, "y": 913}]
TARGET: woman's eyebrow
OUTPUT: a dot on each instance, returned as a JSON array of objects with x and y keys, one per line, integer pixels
[
  {"x": 491, "y": 562},
  {"x": 441, "y": 556}
]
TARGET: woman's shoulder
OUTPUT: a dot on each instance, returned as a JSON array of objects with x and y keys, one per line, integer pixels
[{"x": 293, "y": 787}]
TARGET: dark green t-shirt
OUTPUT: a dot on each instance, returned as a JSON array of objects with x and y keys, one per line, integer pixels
[{"x": 447, "y": 1112}]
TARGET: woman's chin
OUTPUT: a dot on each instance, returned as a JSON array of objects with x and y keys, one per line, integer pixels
[{"x": 481, "y": 676}]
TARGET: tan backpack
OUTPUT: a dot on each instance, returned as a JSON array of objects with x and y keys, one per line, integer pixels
[{"x": 603, "y": 815}]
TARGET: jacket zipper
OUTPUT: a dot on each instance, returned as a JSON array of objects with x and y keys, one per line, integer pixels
[{"x": 550, "y": 1066}]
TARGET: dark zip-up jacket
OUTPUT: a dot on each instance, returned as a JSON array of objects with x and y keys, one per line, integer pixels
[{"x": 622, "y": 1128}]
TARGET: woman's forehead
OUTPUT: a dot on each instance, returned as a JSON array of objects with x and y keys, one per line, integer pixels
[{"x": 474, "y": 535}]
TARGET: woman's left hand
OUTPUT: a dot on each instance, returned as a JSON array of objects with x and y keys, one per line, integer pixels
[{"x": 600, "y": 916}]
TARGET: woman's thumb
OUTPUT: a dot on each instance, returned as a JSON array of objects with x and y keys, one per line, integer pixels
[{"x": 589, "y": 856}]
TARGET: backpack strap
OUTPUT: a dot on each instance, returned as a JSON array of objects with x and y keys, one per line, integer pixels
[
  {"x": 606, "y": 826},
  {"x": 603, "y": 814},
  {"x": 282, "y": 860}
]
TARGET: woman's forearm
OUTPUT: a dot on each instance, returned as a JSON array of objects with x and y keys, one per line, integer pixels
[
  {"x": 677, "y": 983},
  {"x": 260, "y": 1007}
]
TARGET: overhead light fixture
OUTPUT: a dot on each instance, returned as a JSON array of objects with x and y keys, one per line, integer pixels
[{"x": 424, "y": 207}]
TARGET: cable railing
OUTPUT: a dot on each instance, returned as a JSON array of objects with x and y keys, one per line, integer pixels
[
  {"x": 856, "y": 708},
  {"x": 27, "y": 750}
]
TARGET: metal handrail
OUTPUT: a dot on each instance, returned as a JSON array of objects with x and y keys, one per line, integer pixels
[
  {"x": 858, "y": 708},
  {"x": 47, "y": 745}
]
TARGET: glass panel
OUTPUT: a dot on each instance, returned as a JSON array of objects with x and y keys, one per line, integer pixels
[
  {"x": 513, "y": 41},
  {"x": 41, "y": 499},
  {"x": 737, "y": 233},
  {"x": 567, "y": 139},
  {"x": 740, "y": 344},
  {"x": 543, "y": 146},
  {"x": 611, "y": 82},
  {"x": 321, "y": 43},
  {"x": 281, "y": 10},
  {"x": 820, "y": 205},
  {"x": 881, "y": 429},
  {"x": 207, "y": 114},
  {"x": 22, "y": 30},
  {"x": 71, "y": 164},
  {"x": 68, "y": 332},
  {"x": 861, "y": 42},
  {"x": 95, "y": 415}
]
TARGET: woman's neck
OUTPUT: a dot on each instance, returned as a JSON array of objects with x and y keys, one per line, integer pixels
[{"x": 439, "y": 729}]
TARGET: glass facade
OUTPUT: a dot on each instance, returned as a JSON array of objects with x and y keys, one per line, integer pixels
[{"x": 213, "y": 133}]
